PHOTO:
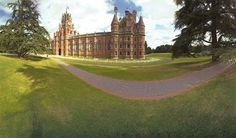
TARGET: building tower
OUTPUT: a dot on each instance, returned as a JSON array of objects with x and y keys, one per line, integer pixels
[
  {"x": 66, "y": 30},
  {"x": 125, "y": 41},
  {"x": 141, "y": 38},
  {"x": 115, "y": 35}
]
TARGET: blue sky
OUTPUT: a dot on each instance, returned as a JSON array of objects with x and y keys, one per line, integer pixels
[
  {"x": 95, "y": 16},
  {"x": 123, "y": 5}
]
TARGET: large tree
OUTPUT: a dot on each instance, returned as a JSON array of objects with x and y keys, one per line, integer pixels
[
  {"x": 209, "y": 22},
  {"x": 23, "y": 33}
]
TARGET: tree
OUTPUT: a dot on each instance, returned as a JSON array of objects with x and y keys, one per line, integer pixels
[
  {"x": 211, "y": 22},
  {"x": 23, "y": 34},
  {"x": 163, "y": 49},
  {"x": 148, "y": 50}
]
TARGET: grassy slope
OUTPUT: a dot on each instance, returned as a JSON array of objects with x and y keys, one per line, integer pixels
[
  {"x": 166, "y": 68},
  {"x": 40, "y": 99}
]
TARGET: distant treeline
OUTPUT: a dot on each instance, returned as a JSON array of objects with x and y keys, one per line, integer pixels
[{"x": 169, "y": 48}]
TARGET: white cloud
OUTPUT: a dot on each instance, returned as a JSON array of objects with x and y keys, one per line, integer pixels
[
  {"x": 159, "y": 12},
  {"x": 3, "y": 5},
  {"x": 87, "y": 16},
  {"x": 92, "y": 16}
]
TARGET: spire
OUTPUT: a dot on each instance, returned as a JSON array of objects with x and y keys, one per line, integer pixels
[
  {"x": 67, "y": 8},
  {"x": 141, "y": 21},
  {"x": 127, "y": 12},
  {"x": 115, "y": 10},
  {"x": 115, "y": 19}
]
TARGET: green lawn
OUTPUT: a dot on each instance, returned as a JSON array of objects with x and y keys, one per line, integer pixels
[
  {"x": 40, "y": 99},
  {"x": 163, "y": 69}
]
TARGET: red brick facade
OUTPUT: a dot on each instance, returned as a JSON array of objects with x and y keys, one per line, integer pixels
[{"x": 125, "y": 41}]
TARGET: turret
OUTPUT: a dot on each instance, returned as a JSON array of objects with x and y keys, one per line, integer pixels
[
  {"x": 114, "y": 31},
  {"x": 115, "y": 22},
  {"x": 141, "y": 25},
  {"x": 134, "y": 15},
  {"x": 127, "y": 12},
  {"x": 141, "y": 37}
]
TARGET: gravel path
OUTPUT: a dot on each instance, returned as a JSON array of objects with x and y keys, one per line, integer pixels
[{"x": 146, "y": 89}]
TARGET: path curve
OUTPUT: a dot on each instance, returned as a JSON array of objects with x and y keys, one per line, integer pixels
[{"x": 146, "y": 89}]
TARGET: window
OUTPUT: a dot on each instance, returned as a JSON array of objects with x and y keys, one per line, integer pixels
[
  {"x": 128, "y": 53},
  {"x": 70, "y": 48},
  {"x": 135, "y": 53},
  {"x": 128, "y": 45},
  {"x": 134, "y": 46},
  {"x": 120, "y": 46},
  {"x": 128, "y": 38},
  {"x": 120, "y": 53},
  {"x": 109, "y": 47},
  {"x": 116, "y": 53}
]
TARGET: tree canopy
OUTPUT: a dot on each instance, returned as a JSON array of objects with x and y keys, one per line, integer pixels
[
  {"x": 208, "y": 22},
  {"x": 22, "y": 34}
]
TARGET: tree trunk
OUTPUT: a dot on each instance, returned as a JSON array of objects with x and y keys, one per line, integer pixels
[
  {"x": 215, "y": 44},
  {"x": 19, "y": 54},
  {"x": 215, "y": 58}
]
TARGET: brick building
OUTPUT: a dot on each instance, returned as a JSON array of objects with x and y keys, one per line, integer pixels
[{"x": 125, "y": 41}]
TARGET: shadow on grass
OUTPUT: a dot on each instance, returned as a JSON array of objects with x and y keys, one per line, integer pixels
[
  {"x": 30, "y": 57},
  {"x": 33, "y": 109},
  {"x": 194, "y": 65},
  {"x": 191, "y": 62}
]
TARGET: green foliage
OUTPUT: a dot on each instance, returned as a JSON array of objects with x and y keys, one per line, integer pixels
[
  {"x": 23, "y": 34},
  {"x": 163, "y": 49},
  {"x": 211, "y": 21},
  {"x": 159, "y": 49},
  {"x": 229, "y": 55},
  {"x": 3, "y": 39},
  {"x": 148, "y": 50}
]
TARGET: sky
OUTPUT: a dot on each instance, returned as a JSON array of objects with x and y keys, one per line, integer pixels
[{"x": 91, "y": 16}]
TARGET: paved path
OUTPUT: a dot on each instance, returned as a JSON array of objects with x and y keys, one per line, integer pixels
[{"x": 146, "y": 89}]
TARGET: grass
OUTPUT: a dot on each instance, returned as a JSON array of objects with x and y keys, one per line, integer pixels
[
  {"x": 157, "y": 70},
  {"x": 40, "y": 99}
]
